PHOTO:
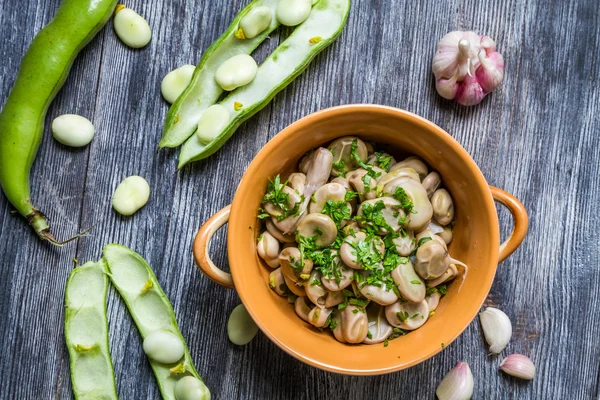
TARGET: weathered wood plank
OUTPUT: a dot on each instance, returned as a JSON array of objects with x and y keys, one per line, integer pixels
[{"x": 538, "y": 137}]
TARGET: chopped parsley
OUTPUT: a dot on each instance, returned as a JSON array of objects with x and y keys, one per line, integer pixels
[
  {"x": 350, "y": 195},
  {"x": 338, "y": 211},
  {"x": 415, "y": 282},
  {"x": 383, "y": 160},
  {"x": 276, "y": 196},
  {"x": 422, "y": 241},
  {"x": 405, "y": 202},
  {"x": 402, "y": 315}
]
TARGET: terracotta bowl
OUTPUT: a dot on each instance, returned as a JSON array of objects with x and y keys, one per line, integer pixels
[{"x": 476, "y": 238}]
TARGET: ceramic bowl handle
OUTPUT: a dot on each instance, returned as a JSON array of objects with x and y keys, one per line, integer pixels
[
  {"x": 202, "y": 244},
  {"x": 520, "y": 218}
]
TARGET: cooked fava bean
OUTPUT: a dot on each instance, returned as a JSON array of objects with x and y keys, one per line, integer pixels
[
  {"x": 410, "y": 285},
  {"x": 315, "y": 290},
  {"x": 293, "y": 12},
  {"x": 366, "y": 272},
  {"x": 241, "y": 328},
  {"x": 295, "y": 287},
  {"x": 73, "y": 130},
  {"x": 381, "y": 160},
  {"x": 431, "y": 183},
  {"x": 277, "y": 234},
  {"x": 351, "y": 325},
  {"x": 343, "y": 159},
  {"x": 131, "y": 195},
  {"x": 297, "y": 181},
  {"x": 405, "y": 244},
  {"x": 446, "y": 234},
  {"x": 277, "y": 282},
  {"x": 349, "y": 249},
  {"x": 318, "y": 316},
  {"x": 341, "y": 279},
  {"x": 427, "y": 233},
  {"x": 237, "y": 71},
  {"x": 293, "y": 266},
  {"x": 433, "y": 300},
  {"x": 191, "y": 388},
  {"x": 409, "y": 190},
  {"x": 329, "y": 192},
  {"x": 408, "y": 316},
  {"x": 379, "y": 294},
  {"x": 334, "y": 298},
  {"x": 448, "y": 275},
  {"x": 443, "y": 207},
  {"x": 364, "y": 182},
  {"x": 415, "y": 163},
  {"x": 379, "y": 327},
  {"x": 320, "y": 225},
  {"x": 408, "y": 173},
  {"x": 132, "y": 28},
  {"x": 255, "y": 22},
  {"x": 163, "y": 346},
  {"x": 302, "y": 308},
  {"x": 268, "y": 249},
  {"x": 175, "y": 82},
  {"x": 276, "y": 210},
  {"x": 212, "y": 121},
  {"x": 431, "y": 260},
  {"x": 390, "y": 211}
]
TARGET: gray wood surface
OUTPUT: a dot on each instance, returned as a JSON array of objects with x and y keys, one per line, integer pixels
[{"x": 537, "y": 137}]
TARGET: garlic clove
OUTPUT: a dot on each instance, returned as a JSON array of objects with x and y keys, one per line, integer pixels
[
  {"x": 518, "y": 366},
  {"x": 497, "y": 328},
  {"x": 488, "y": 44},
  {"x": 491, "y": 71},
  {"x": 447, "y": 88},
  {"x": 469, "y": 92},
  {"x": 457, "y": 384}
]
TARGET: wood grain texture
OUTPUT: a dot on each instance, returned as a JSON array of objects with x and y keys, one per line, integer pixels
[{"x": 537, "y": 137}]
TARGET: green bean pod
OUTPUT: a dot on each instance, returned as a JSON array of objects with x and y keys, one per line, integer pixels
[
  {"x": 203, "y": 91},
  {"x": 86, "y": 333},
  {"x": 151, "y": 311},
  {"x": 43, "y": 71},
  {"x": 324, "y": 24}
]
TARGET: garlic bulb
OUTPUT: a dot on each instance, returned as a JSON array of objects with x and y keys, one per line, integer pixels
[
  {"x": 467, "y": 67},
  {"x": 519, "y": 366},
  {"x": 497, "y": 328},
  {"x": 457, "y": 384}
]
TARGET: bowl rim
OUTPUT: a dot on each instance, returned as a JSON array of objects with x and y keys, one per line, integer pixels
[{"x": 282, "y": 136}]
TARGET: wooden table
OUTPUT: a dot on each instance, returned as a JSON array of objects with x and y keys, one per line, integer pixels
[{"x": 537, "y": 137}]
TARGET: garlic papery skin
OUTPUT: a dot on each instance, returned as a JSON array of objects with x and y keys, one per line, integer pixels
[
  {"x": 519, "y": 366},
  {"x": 497, "y": 328},
  {"x": 457, "y": 384},
  {"x": 467, "y": 67}
]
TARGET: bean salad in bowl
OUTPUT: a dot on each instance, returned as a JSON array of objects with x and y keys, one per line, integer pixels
[{"x": 358, "y": 241}]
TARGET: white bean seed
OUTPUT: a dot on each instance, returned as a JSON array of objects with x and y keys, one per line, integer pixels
[
  {"x": 72, "y": 130},
  {"x": 131, "y": 195},
  {"x": 256, "y": 21},
  {"x": 237, "y": 71},
  {"x": 164, "y": 347},
  {"x": 213, "y": 120},
  {"x": 175, "y": 82},
  {"x": 190, "y": 388},
  {"x": 241, "y": 328},
  {"x": 293, "y": 12},
  {"x": 132, "y": 28}
]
